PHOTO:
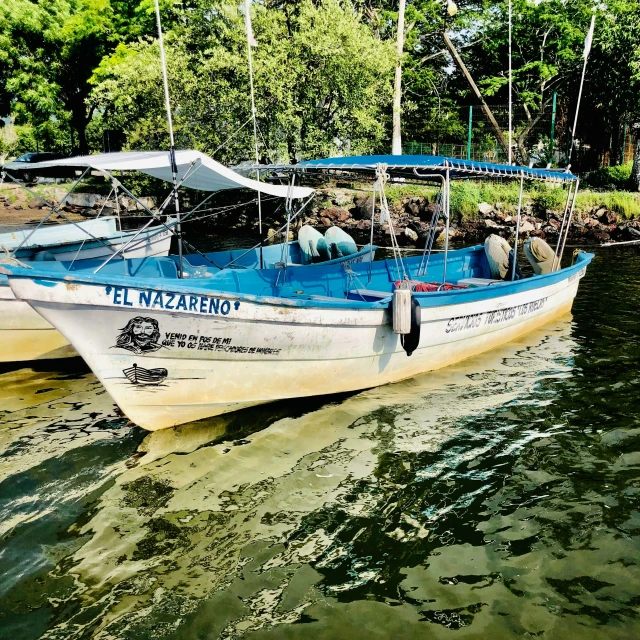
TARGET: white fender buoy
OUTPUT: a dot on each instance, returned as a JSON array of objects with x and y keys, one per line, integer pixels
[{"x": 402, "y": 309}]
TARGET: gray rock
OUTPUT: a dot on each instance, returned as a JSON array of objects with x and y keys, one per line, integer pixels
[
  {"x": 35, "y": 203},
  {"x": 362, "y": 207},
  {"x": 411, "y": 234},
  {"x": 486, "y": 209}
]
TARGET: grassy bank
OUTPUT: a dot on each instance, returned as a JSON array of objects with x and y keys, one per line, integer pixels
[{"x": 538, "y": 197}]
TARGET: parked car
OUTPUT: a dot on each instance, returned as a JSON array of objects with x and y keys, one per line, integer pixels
[{"x": 20, "y": 167}]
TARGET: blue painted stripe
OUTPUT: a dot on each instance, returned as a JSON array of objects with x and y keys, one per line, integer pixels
[{"x": 264, "y": 286}]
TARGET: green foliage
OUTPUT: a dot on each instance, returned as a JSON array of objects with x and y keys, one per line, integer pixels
[
  {"x": 616, "y": 177},
  {"x": 48, "y": 51},
  {"x": 466, "y": 195},
  {"x": 8, "y": 143},
  {"x": 624, "y": 203},
  {"x": 539, "y": 198},
  {"x": 322, "y": 84},
  {"x": 71, "y": 69},
  {"x": 547, "y": 198}
]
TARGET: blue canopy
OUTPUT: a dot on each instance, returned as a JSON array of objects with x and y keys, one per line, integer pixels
[{"x": 414, "y": 166}]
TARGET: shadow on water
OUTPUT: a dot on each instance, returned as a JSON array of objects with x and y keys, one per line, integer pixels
[{"x": 496, "y": 497}]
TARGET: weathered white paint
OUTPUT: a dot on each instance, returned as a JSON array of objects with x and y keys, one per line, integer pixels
[
  {"x": 28, "y": 336},
  {"x": 152, "y": 242},
  {"x": 260, "y": 351}
]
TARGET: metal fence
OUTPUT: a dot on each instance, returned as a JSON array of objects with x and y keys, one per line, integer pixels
[{"x": 467, "y": 133}]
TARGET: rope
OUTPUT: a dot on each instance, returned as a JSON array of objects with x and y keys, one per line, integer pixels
[
  {"x": 9, "y": 259},
  {"x": 385, "y": 216},
  {"x": 431, "y": 234},
  {"x": 352, "y": 276}
]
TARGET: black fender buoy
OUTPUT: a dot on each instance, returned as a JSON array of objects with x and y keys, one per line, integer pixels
[{"x": 411, "y": 340}]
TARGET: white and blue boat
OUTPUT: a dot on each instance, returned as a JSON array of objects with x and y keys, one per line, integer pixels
[
  {"x": 172, "y": 350},
  {"x": 83, "y": 245},
  {"x": 84, "y": 240}
]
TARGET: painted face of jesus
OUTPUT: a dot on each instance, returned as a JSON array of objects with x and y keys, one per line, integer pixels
[{"x": 142, "y": 333}]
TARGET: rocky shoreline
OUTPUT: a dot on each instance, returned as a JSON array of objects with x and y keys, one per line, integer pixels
[{"x": 411, "y": 217}]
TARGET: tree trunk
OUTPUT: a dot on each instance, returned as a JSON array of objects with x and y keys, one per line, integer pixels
[
  {"x": 635, "y": 171},
  {"x": 81, "y": 128},
  {"x": 502, "y": 141},
  {"x": 396, "y": 141},
  {"x": 80, "y": 119}
]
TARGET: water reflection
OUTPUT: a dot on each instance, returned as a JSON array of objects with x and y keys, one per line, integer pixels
[
  {"x": 221, "y": 527},
  {"x": 497, "y": 497}
]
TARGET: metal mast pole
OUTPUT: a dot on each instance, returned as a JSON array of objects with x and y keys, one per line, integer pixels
[
  {"x": 587, "y": 49},
  {"x": 510, "y": 82},
  {"x": 172, "y": 148},
  {"x": 250, "y": 43}
]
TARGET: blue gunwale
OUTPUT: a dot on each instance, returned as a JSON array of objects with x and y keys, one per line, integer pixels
[{"x": 207, "y": 286}]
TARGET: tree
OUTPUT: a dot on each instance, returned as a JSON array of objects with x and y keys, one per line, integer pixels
[
  {"x": 49, "y": 50},
  {"x": 322, "y": 79}
]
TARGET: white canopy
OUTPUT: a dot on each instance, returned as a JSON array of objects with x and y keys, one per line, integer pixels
[{"x": 209, "y": 175}]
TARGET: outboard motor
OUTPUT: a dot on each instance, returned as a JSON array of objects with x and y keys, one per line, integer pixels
[
  {"x": 312, "y": 245},
  {"x": 539, "y": 254},
  {"x": 339, "y": 243},
  {"x": 406, "y": 317}
]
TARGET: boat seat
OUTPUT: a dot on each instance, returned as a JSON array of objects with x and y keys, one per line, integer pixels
[
  {"x": 478, "y": 282},
  {"x": 369, "y": 295}
]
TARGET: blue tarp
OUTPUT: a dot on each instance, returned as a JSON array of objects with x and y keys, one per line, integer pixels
[{"x": 415, "y": 165}]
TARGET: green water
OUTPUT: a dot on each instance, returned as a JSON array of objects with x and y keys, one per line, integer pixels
[{"x": 494, "y": 499}]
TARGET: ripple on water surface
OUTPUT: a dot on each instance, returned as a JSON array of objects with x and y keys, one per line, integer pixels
[{"x": 497, "y": 497}]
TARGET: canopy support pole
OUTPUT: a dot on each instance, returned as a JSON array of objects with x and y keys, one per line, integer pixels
[
  {"x": 75, "y": 257},
  {"x": 433, "y": 224},
  {"x": 172, "y": 147},
  {"x": 447, "y": 192},
  {"x": 275, "y": 233},
  {"x": 515, "y": 244},
  {"x": 288, "y": 206},
  {"x": 373, "y": 216},
  {"x": 54, "y": 209},
  {"x": 566, "y": 232},
  {"x": 564, "y": 219},
  {"x": 189, "y": 172},
  {"x": 154, "y": 217}
]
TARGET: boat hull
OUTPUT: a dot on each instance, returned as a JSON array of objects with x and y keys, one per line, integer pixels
[
  {"x": 30, "y": 337},
  {"x": 27, "y": 335},
  {"x": 151, "y": 242},
  {"x": 254, "y": 351}
]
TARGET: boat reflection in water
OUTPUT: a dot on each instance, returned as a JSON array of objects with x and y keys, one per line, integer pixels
[
  {"x": 50, "y": 408},
  {"x": 286, "y": 513}
]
